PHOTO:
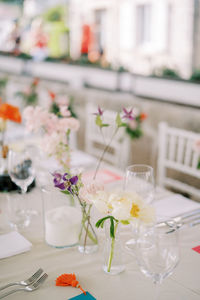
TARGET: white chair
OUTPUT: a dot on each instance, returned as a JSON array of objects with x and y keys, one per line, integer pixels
[
  {"x": 118, "y": 151},
  {"x": 176, "y": 154}
]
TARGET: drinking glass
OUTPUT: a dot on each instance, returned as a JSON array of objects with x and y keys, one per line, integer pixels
[
  {"x": 22, "y": 173},
  {"x": 139, "y": 179},
  {"x": 157, "y": 251},
  {"x": 20, "y": 169}
]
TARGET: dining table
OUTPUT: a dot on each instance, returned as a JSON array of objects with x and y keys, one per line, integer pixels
[{"x": 131, "y": 284}]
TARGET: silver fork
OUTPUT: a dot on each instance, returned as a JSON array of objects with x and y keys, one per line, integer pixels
[
  {"x": 30, "y": 288},
  {"x": 26, "y": 282}
]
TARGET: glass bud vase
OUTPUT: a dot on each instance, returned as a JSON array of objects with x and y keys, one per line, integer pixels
[
  {"x": 62, "y": 220},
  {"x": 88, "y": 241},
  {"x": 112, "y": 256}
]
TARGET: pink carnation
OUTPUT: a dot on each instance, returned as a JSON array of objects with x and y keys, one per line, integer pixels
[
  {"x": 88, "y": 191},
  {"x": 132, "y": 124},
  {"x": 64, "y": 111},
  {"x": 68, "y": 123},
  {"x": 62, "y": 101}
]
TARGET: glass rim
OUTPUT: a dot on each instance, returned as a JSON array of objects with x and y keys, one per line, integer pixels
[{"x": 149, "y": 168}]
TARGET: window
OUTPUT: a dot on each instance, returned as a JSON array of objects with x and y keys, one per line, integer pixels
[
  {"x": 100, "y": 29},
  {"x": 143, "y": 24}
]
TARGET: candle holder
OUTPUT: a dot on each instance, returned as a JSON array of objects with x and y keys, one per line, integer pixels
[{"x": 62, "y": 219}]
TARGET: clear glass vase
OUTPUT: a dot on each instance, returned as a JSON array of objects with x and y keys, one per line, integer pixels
[
  {"x": 112, "y": 256},
  {"x": 88, "y": 241},
  {"x": 62, "y": 219}
]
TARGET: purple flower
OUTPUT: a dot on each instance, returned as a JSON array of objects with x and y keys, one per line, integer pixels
[
  {"x": 64, "y": 183},
  {"x": 58, "y": 181},
  {"x": 100, "y": 112},
  {"x": 128, "y": 114}
]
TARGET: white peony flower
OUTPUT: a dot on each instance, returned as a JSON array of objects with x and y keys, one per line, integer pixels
[{"x": 124, "y": 206}]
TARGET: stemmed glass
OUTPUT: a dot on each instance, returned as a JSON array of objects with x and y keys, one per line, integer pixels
[
  {"x": 139, "y": 179},
  {"x": 157, "y": 251},
  {"x": 22, "y": 173}
]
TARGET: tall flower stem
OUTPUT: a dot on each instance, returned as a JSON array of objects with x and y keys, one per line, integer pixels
[
  {"x": 103, "y": 153},
  {"x": 112, "y": 249},
  {"x": 87, "y": 227}
]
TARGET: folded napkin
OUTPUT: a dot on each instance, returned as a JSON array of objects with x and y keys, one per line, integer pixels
[
  {"x": 174, "y": 205},
  {"x": 13, "y": 243}
]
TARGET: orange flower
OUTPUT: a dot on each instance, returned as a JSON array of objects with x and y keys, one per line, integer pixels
[
  {"x": 68, "y": 279},
  {"x": 52, "y": 95},
  {"x": 35, "y": 82},
  {"x": 10, "y": 112},
  {"x": 143, "y": 116}
]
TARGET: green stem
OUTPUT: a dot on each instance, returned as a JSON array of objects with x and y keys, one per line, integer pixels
[
  {"x": 103, "y": 153},
  {"x": 88, "y": 219},
  {"x": 112, "y": 249},
  {"x": 88, "y": 233}
]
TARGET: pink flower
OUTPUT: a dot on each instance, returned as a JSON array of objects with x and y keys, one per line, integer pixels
[
  {"x": 64, "y": 111},
  {"x": 88, "y": 191},
  {"x": 51, "y": 123},
  {"x": 68, "y": 123},
  {"x": 62, "y": 101},
  {"x": 132, "y": 124}
]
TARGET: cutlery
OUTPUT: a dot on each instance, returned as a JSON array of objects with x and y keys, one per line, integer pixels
[
  {"x": 29, "y": 288},
  {"x": 187, "y": 215},
  {"x": 26, "y": 282}
]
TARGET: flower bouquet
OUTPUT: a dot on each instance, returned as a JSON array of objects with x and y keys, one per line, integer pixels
[
  {"x": 72, "y": 185},
  {"x": 86, "y": 192},
  {"x": 55, "y": 130}
]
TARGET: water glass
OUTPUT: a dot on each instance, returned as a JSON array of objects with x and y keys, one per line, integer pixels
[
  {"x": 157, "y": 251},
  {"x": 17, "y": 211},
  {"x": 139, "y": 179}
]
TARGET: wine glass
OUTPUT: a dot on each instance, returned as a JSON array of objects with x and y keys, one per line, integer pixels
[
  {"x": 157, "y": 251},
  {"x": 22, "y": 173},
  {"x": 139, "y": 179}
]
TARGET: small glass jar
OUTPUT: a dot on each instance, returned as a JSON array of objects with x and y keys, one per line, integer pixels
[
  {"x": 88, "y": 241},
  {"x": 62, "y": 220},
  {"x": 113, "y": 263}
]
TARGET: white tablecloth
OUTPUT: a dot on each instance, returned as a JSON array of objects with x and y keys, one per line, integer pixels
[{"x": 184, "y": 284}]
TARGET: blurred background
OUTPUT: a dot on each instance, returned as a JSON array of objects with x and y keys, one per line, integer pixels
[
  {"x": 114, "y": 53},
  {"x": 157, "y": 37}
]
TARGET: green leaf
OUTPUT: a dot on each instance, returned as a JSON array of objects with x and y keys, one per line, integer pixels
[
  {"x": 66, "y": 192},
  {"x": 198, "y": 166},
  {"x": 118, "y": 120},
  {"x": 125, "y": 222},
  {"x": 112, "y": 228},
  {"x": 98, "y": 121},
  {"x": 105, "y": 125},
  {"x": 99, "y": 222}
]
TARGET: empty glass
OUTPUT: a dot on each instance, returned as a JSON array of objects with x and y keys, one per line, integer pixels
[
  {"x": 20, "y": 169},
  {"x": 157, "y": 251},
  {"x": 139, "y": 179},
  {"x": 22, "y": 173}
]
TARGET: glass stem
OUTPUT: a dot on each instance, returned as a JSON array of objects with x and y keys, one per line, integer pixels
[
  {"x": 24, "y": 190},
  {"x": 156, "y": 290}
]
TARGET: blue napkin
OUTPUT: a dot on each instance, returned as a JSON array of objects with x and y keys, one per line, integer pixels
[{"x": 88, "y": 296}]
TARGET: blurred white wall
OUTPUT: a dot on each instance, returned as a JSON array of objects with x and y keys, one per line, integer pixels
[{"x": 140, "y": 34}]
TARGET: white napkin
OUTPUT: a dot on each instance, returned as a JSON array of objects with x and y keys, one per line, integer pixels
[
  {"x": 175, "y": 205},
  {"x": 13, "y": 243}
]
